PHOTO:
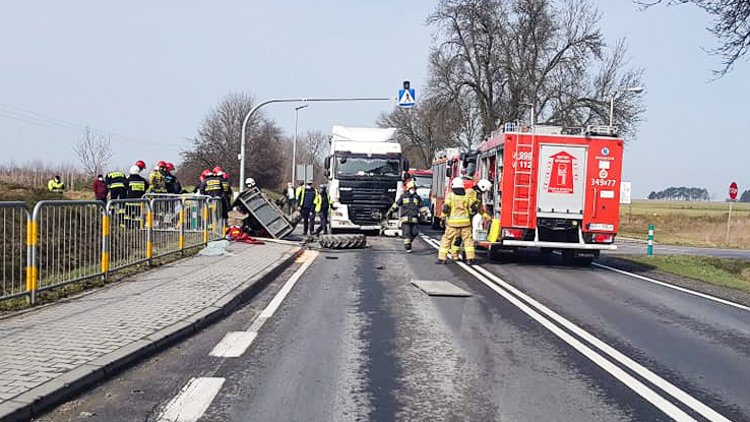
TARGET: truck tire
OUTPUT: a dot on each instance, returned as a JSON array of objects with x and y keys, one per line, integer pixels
[{"x": 343, "y": 241}]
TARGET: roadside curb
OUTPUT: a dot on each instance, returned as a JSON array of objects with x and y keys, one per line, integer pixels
[{"x": 39, "y": 399}]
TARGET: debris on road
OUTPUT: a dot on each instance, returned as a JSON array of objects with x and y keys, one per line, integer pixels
[{"x": 343, "y": 241}]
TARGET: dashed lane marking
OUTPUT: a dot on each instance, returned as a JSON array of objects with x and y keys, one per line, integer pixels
[
  {"x": 192, "y": 401},
  {"x": 235, "y": 343}
]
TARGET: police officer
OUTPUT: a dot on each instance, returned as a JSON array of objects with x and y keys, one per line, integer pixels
[
  {"x": 117, "y": 184},
  {"x": 56, "y": 185},
  {"x": 322, "y": 207},
  {"x": 457, "y": 211},
  {"x": 411, "y": 207},
  {"x": 306, "y": 203}
]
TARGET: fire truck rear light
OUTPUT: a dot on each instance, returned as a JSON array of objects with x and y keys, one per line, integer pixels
[
  {"x": 603, "y": 238},
  {"x": 513, "y": 234}
]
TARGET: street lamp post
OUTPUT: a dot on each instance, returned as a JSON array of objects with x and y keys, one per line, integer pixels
[
  {"x": 294, "y": 145},
  {"x": 634, "y": 89},
  {"x": 287, "y": 100}
]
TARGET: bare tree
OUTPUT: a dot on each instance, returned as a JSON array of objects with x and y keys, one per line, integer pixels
[
  {"x": 94, "y": 151},
  {"x": 495, "y": 59},
  {"x": 218, "y": 143},
  {"x": 730, "y": 27},
  {"x": 315, "y": 144},
  {"x": 424, "y": 129}
]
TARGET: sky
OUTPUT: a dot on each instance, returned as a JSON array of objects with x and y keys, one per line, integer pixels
[{"x": 147, "y": 72}]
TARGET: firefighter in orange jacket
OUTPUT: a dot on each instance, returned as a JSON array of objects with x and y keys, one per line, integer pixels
[{"x": 457, "y": 210}]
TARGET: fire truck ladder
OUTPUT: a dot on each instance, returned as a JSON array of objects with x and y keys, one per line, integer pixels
[{"x": 522, "y": 187}]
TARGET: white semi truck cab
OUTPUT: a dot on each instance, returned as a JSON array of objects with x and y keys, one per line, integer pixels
[{"x": 365, "y": 170}]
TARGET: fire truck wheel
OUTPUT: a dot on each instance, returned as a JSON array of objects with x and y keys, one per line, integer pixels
[
  {"x": 343, "y": 241},
  {"x": 498, "y": 254}
]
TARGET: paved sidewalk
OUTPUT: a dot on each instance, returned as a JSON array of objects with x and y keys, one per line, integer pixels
[{"x": 53, "y": 352}]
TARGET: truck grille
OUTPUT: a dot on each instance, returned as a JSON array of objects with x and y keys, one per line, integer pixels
[{"x": 367, "y": 201}]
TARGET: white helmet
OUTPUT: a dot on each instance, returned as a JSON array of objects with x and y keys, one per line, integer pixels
[
  {"x": 457, "y": 183},
  {"x": 484, "y": 185},
  {"x": 249, "y": 182},
  {"x": 135, "y": 170}
]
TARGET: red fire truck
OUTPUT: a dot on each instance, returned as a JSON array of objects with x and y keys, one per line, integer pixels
[
  {"x": 553, "y": 188},
  {"x": 448, "y": 163}
]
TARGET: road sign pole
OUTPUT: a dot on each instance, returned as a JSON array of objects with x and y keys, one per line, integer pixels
[
  {"x": 729, "y": 220},
  {"x": 650, "y": 240}
]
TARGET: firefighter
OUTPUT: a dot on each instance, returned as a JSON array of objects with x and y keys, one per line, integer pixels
[
  {"x": 411, "y": 207},
  {"x": 137, "y": 185},
  {"x": 141, "y": 165},
  {"x": 56, "y": 185},
  {"x": 156, "y": 179},
  {"x": 306, "y": 203},
  {"x": 117, "y": 184},
  {"x": 170, "y": 180},
  {"x": 477, "y": 209},
  {"x": 322, "y": 208},
  {"x": 456, "y": 211},
  {"x": 213, "y": 185}
]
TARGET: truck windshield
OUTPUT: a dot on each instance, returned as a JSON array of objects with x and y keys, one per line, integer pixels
[
  {"x": 367, "y": 166},
  {"x": 423, "y": 181}
]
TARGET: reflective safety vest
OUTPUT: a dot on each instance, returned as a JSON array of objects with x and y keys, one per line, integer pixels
[
  {"x": 458, "y": 213},
  {"x": 116, "y": 180},
  {"x": 213, "y": 186},
  {"x": 322, "y": 202},
  {"x": 308, "y": 193},
  {"x": 158, "y": 182},
  {"x": 54, "y": 186},
  {"x": 137, "y": 186},
  {"x": 411, "y": 207}
]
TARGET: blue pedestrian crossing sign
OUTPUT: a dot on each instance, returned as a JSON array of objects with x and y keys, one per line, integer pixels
[{"x": 406, "y": 98}]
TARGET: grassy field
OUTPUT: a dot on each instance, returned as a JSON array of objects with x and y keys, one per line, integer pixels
[
  {"x": 687, "y": 223},
  {"x": 732, "y": 273}
]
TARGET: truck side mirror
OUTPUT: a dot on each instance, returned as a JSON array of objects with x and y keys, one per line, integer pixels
[
  {"x": 328, "y": 174},
  {"x": 327, "y": 163},
  {"x": 449, "y": 172}
]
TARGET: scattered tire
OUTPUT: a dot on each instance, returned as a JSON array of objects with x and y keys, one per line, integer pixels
[{"x": 343, "y": 241}]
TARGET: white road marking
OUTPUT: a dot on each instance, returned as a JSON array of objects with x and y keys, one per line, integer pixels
[
  {"x": 672, "y": 286},
  {"x": 192, "y": 401},
  {"x": 234, "y": 344},
  {"x": 504, "y": 289}
]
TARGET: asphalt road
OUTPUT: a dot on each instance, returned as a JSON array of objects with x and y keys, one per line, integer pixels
[
  {"x": 628, "y": 247},
  {"x": 536, "y": 341}
]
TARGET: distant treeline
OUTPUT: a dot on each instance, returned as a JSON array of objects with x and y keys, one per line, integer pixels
[
  {"x": 681, "y": 194},
  {"x": 745, "y": 197}
]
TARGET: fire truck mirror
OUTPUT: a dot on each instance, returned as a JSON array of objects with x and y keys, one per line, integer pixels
[
  {"x": 449, "y": 172},
  {"x": 327, "y": 162}
]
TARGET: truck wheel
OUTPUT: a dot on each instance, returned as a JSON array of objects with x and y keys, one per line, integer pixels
[
  {"x": 498, "y": 254},
  {"x": 343, "y": 241}
]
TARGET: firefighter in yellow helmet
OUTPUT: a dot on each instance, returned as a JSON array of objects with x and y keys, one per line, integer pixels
[{"x": 457, "y": 212}]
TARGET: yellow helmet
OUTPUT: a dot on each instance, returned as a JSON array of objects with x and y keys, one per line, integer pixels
[{"x": 411, "y": 184}]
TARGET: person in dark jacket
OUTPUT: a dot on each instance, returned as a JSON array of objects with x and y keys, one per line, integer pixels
[
  {"x": 137, "y": 185},
  {"x": 411, "y": 207},
  {"x": 322, "y": 208},
  {"x": 99, "y": 188},
  {"x": 117, "y": 184},
  {"x": 307, "y": 199}
]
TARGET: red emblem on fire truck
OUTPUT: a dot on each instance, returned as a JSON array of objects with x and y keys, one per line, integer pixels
[{"x": 560, "y": 173}]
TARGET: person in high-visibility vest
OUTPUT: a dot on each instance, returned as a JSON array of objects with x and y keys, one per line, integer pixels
[
  {"x": 457, "y": 213},
  {"x": 117, "y": 184},
  {"x": 473, "y": 193},
  {"x": 307, "y": 200},
  {"x": 56, "y": 185}
]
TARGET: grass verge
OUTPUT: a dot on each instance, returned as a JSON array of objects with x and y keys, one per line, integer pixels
[{"x": 732, "y": 273}]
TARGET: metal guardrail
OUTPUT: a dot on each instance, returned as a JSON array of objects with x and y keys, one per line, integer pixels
[
  {"x": 14, "y": 250},
  {"x": 62, "y": 242}
]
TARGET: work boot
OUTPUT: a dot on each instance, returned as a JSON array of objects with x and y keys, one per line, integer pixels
[
  {"x": 408, "y": 251},
  {"x": 440, "y": 262},
  {"x": 469, "y": 262}
]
